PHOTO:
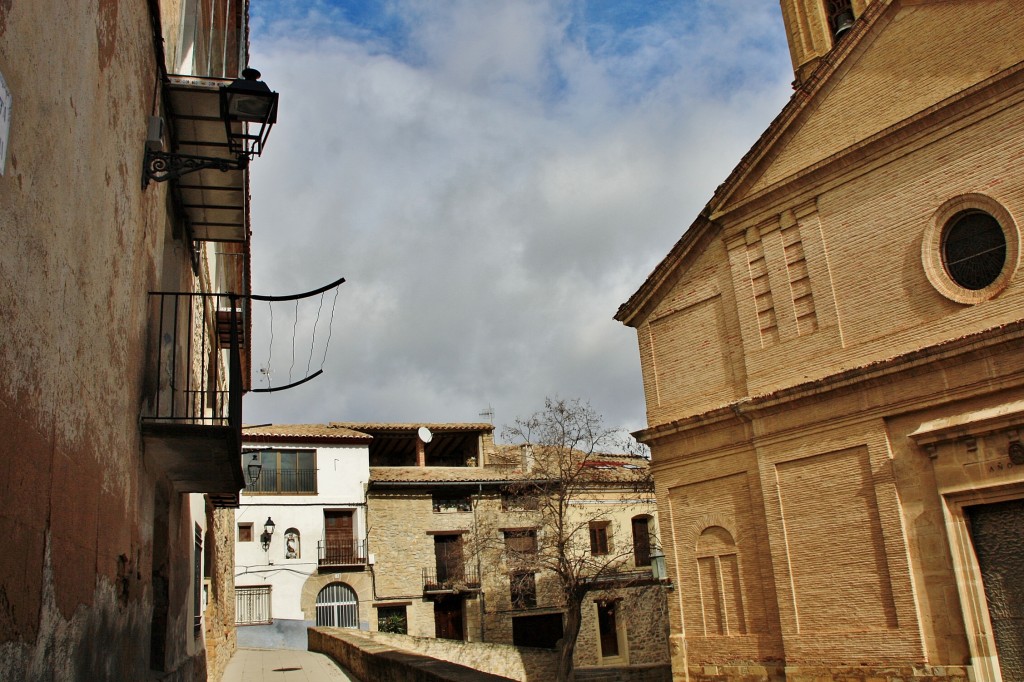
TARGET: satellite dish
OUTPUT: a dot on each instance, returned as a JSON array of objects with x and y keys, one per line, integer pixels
[{"x": 424, "y": 434}]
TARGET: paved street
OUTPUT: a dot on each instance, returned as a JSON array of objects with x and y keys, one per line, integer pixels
[{"x": 283, "y": 665}]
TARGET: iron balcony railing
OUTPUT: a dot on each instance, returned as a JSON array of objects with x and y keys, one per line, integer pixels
[
  {"x": 451, "y": 579},
  {"x": 342, "y": 553},
  {"x": 194, "y": 332},
  {"x": 284, "y": 482}
]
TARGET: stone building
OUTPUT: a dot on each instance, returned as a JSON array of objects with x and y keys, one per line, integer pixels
[
  {"x": 453, "y": 543},
  {"x": 120, "y": 408},
  {"x": 833, "y": 366}
]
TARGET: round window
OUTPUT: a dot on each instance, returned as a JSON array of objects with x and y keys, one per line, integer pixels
[{"x": 973, "y": 249}]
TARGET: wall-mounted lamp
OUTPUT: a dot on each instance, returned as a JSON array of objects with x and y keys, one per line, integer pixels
[
  {"x": 254, "y": 468},
  {"x": 658, "y": 571},
  {"x": 268, "y": 531},
  {"x": 245, "y": 102}
]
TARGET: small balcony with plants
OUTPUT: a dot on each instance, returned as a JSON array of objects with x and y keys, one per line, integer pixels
[{"x": 452, "y": 578}]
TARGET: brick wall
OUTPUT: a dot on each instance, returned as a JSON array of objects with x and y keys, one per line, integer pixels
[{"x": 807, "y": 521}]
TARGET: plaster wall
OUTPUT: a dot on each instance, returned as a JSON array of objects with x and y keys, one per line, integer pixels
[
  {"x": 342, "y": 472},
  {"x": 81, "y": 243}
]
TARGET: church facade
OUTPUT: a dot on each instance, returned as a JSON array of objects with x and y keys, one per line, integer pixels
[{"x": 833, "y": 364}]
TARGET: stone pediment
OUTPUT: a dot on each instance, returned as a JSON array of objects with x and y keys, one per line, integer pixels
[{"x": 906, "y": 58}]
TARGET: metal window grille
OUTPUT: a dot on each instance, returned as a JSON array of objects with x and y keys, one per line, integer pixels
[
  {"x": 197, "y": 583},
  {"x": 337, "y": 607},
  {"x": 252, "y": 605}
]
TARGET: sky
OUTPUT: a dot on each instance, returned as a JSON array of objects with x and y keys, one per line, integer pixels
[{"x": 493, "y": 178}]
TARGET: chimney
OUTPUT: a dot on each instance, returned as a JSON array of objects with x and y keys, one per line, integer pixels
[{"x": 526, "y": 452}]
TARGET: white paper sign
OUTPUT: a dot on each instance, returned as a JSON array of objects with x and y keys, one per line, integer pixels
[{"x": 5, "y": 122}]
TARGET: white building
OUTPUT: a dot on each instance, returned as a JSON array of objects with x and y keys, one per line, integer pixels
[{"x": 311, "y": 569}]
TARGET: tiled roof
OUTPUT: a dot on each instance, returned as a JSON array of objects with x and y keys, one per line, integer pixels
[
  {"x": 412, "y": 426},
  {"x": 608, "y": 469},
  {"x": 303, "y": 432},
  {"x": 443, "y": 474}
]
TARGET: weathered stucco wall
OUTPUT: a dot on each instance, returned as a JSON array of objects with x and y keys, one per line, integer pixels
[{"x": 81, "y": 244}]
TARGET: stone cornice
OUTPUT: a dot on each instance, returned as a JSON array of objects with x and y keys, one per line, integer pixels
[{"x": 858, "y": 378}]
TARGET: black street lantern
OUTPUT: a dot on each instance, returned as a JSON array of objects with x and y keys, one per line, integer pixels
[
  {"x": 268, "y": 532},
  {"x": 248, "y": 109},
  {"x": 246, "y": 101},
  {"x": 254, "y": 468}
]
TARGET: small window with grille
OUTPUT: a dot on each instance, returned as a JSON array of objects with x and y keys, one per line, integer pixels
[{"x": 973, "y": 249}]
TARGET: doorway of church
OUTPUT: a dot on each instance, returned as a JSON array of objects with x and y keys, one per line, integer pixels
[{"x": 999, "y": 545}]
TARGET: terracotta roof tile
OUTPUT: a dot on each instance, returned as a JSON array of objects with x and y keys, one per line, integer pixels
[
  {"x": 443, "y": 474},
  {"x": 413, "y": 426},
  {"x": 303, "y": 431}
]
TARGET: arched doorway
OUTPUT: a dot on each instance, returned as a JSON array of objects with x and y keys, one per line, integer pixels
[{"x": 337, "y": 607}]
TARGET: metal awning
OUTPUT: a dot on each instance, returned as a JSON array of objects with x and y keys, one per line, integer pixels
[{"x": 214, "y": 201}]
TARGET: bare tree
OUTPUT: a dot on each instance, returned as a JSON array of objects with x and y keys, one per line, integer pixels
[{"x": 564, "y": 466}]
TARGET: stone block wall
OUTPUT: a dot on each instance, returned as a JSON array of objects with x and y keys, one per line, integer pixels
[
  {"x": 221, "y": 634},
  {"x": 369, "y": 659}
]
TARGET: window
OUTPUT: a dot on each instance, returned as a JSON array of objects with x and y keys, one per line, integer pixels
[
  {"x": 519, "y": 501},
  {"x": 452, "y": 503},
  {"x": 245, "y": 532},
  {"x": 608, "y": 628},
  {"x": 973, "y": 249},
  {"x": 284, "y": 472},
  {"x": 252, "y": 605},
  {"x": 292, "y": 544},
  {"x": 523, "y": 589},
  {"x": 542, "y": 631},
  {"x": 197, "y": 583},
  {"x": 599, "y": 538},
  {"x": 392, "y": 619},
  {"x": 337, "y": 607},
  {"x": 520, "y": 541},
  {"x": 642, "y": 540}
]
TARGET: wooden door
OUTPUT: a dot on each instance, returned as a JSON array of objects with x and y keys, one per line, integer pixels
[
  {"x": 999, "y": 546},
  {"x": 339, "y": 537},
  {"x": 641, "y": 541},
  {"x": 448, "y": 618},
  {"x": 448, "y": 557},
  {"x": 608, "y": 629}
]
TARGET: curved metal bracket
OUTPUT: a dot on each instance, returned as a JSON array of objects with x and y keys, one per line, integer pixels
[{"x": 162, "y": 166}]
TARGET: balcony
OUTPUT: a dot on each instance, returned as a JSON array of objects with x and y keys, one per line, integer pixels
[
  {"x": 192, "y": 430},
  {"x": 284, "y": 482},
  {"x": 341, "y": 554},
  {"x": 451, "y": 579}
]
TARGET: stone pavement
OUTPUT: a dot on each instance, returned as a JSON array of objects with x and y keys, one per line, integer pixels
[{"x": 283, "y": 665}]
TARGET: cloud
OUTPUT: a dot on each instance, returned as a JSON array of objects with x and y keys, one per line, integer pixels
[{"x": 493, "y": 179}]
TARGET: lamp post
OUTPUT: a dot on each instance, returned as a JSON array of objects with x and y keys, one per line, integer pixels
[{"x": 268, "y": 532}]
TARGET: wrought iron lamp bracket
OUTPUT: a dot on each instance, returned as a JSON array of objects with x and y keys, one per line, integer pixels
[{"x": 163, "y": 166}]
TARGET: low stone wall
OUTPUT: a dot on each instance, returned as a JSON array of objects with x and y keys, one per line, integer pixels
[
  {"x": 661, "y": 672},
  {"x": 370, "y": 659},
  {"x": 515, "y": 663}
]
